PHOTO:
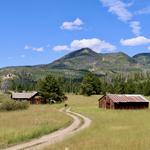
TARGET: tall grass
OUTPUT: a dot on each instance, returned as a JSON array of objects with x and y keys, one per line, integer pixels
[
  {"x": 7, "y": 104},
  {"x": 11, "y": 105},
  {"x": 4, "y": 97},
  {"x": 38, "y": 120},
  {"x": 110, "y": 129}
]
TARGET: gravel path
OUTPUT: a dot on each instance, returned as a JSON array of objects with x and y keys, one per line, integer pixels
[{"x": 80, "y": 122}]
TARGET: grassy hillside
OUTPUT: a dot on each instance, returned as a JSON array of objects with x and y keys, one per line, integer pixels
[
  {"x": 38, "y": 120},
  {"x": 143, "y": 58},
  {"x": 110, "y": 129},
  {"x": 78, "y": 62},
  {"x": 86, "y": 59}
]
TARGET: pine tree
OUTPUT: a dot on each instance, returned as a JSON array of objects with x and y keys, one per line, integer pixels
[
  {"x": 90, "y": 85},
  {"x": 50, "y": 89},
  {"x": 146, "y": 88}
]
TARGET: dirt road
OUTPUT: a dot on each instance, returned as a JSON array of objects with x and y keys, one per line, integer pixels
[{"x": 80, "y": 122}]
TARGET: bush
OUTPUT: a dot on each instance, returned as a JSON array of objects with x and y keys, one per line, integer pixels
[{"x": 11, "y": 105}]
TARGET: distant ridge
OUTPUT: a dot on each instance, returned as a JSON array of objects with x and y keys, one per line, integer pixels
[
  {"x": 84, "y": 60},
  {"x": 143, "y": 58}
]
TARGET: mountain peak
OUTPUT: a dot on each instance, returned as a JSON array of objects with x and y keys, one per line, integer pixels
[
  {"x": 81, "y": 52},
  {"x": 86, "y": 49},
  {"x": 85, "y": 59}
]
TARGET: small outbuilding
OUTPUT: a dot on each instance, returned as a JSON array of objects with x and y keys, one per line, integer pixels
[
  {"x": 114, "y": 101},
  {"x": 33, "y": 97}
]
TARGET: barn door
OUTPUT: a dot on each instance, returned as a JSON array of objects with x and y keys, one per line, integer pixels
[{"x": 108, "y": 105}]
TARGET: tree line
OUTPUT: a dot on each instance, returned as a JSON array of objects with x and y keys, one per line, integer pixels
[
  {"x": 137, "y": 83},
  {"x": 89, "y": 84}
]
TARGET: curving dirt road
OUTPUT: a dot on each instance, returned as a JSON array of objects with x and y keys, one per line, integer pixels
[{"x": 80, "y": 122}]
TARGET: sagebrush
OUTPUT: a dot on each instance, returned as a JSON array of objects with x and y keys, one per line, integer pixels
[{"x": 11, "y": 105}]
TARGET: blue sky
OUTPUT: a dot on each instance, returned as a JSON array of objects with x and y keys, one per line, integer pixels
[{"x": 40, "y": 31}]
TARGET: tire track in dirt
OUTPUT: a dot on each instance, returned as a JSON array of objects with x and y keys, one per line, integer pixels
[{"x": 79, "y": 123}]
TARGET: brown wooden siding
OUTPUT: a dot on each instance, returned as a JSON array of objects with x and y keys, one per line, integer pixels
[{"x": 106, "y": 103}]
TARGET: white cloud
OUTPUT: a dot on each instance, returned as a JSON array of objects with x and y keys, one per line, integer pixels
[
  {"x": 140, "y": 40},
  {"x": 145, "y": 10},
  {"x": 118, "y": 8},
  {"x": 74, "y": 25},
  {"x": 37, "y": 49},
  {"x": 148, "y": 48},
  {"x": 135, "y": 25},
  {"x": 61, "y": 48},
  {"x": 94, "y": 44}
]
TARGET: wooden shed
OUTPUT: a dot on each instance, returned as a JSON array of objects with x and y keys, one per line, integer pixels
[
  {"x": 114, "y": 101},
  {"x": 33, "y": 97}
]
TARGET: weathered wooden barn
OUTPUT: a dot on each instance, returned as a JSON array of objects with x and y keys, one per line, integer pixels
[
  {"x": 33, "y": 97},
  {"x": 114, "y": 101}
]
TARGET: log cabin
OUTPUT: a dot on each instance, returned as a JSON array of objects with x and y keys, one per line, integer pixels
[
  {"x": 32, "y": 97},
  {"x": 114, "y": 101}
]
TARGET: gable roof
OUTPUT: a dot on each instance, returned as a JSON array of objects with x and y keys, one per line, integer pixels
[
  {"x": 25, "y": 95},
  {"x": 126, "y": 98}
]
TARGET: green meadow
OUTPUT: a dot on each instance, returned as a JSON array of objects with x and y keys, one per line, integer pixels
[
  {"x": 23, "y": 125},
  {"x": 110, "y": 129}
]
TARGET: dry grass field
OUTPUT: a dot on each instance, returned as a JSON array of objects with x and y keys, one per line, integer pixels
[
  {"x": 23, "y": 125},
  {"x": 110, "y": 129}
]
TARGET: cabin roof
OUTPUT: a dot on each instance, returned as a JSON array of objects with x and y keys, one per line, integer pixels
[
  {"x": 24, "y": 95},
  {"x": 126, "y": 98}
]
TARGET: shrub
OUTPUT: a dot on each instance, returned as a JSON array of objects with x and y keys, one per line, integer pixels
[{"x": 11, "y": 105}]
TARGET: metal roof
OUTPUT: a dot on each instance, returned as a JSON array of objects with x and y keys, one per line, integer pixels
[
  {"x": 127, "y": 98},
  {"x": 26, "y": 95}
]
